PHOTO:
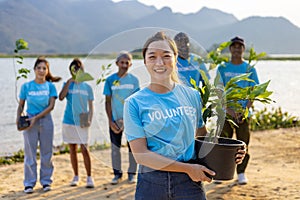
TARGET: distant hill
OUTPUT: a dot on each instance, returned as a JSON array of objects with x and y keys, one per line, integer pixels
[{"x": 77, "y": 26}]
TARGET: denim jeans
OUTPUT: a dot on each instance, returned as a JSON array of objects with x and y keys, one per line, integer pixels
[
  {"x": 116, "y": 140},
  {"x": 163, "y": 185},
  {"x": 40, "y": 133}
]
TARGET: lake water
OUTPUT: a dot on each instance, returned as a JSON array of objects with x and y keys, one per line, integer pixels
[{"x": 284, "y": 76}]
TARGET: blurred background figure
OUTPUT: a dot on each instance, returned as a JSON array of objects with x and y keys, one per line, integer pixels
[{"x": 188, "y": 64}]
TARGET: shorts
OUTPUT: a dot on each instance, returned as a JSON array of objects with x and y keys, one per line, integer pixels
[{"x": 75, "y": 134}]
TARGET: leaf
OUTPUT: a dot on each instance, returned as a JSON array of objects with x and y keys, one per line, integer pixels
[
  {"x": 204, "y": 77},
  {"x": 21, "y": 44},
  {"x": 193, "y": 82},
  {"x": 82, "y": 76}
]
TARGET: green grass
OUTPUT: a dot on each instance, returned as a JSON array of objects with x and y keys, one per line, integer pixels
[{"x": 59, "y": 150}]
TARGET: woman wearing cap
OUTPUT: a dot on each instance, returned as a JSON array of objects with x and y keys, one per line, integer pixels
[
  {"x": 237, "y": 66},
  {"x": 117, "y": 88},
  {"x": 161, "y": 122},
  {"x": 80, "y": 98}
]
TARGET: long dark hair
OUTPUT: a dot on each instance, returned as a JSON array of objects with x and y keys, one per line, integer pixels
[{"x": 49, "y": 76}]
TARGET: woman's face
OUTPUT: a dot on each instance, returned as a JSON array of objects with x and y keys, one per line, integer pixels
[
  {"x": 41, "y": 70},
  {"x": 160, "y": 60}
]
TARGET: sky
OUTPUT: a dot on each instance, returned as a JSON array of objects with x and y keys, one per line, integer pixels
[{"x": 241, "y": 9}]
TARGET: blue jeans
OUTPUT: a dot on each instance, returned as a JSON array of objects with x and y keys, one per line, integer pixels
[
  {"x": 40, "y": 133},
  {"x": 163, "y": 185},
  {"x": 116, "y": 140}
]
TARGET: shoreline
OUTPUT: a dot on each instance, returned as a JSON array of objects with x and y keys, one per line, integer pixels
[{"x": 272, "y": 173}]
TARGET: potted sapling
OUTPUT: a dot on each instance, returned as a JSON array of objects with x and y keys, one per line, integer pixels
[{"x": 215, "y": 152}]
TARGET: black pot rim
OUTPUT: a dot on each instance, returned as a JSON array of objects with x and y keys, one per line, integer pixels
[{"x": 237, "y": 142}]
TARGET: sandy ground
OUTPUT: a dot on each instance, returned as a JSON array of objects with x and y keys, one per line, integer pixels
[{"x": 273, "y": 173}]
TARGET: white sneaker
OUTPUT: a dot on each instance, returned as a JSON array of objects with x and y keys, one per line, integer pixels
[
  {"x": 131, "y": 178},
  {"x": 242, "y": 179},
  {"x": 28, "y": 190},
  {"x": 46, "y": 188},
  {"x": 89, "y": 182},
  {"x": 75, "y": 180},
  {"x": 115, "y": 180}
]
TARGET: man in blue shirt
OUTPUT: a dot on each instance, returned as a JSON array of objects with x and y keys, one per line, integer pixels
[
  {"x": 237, "y": 66},
  {"x": 117, "y": 88},
  {"x": 188, "y": 64}
]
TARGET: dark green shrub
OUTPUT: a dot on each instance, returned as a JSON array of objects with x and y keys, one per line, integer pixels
[{"x": 274, "y": 119}]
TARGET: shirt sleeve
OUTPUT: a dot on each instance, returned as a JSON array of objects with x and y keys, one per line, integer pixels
[
  {"x": 133, "y": 127},
  {"x": 53, "y": 92},
  {"x": 107, "y": 89}
]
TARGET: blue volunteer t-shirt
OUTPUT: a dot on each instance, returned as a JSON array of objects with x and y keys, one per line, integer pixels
[
  {"x": 119, "y": 89},
  {"x": 230, "y": 70},
  {"x": 77, "y": 102},
  {"x": 168, "y": 121},
  {"x": 37, "y": 96},
  {"x": 190, "y": 68}
]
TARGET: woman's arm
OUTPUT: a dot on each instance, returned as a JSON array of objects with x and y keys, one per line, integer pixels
[
  {"x": 63, "y": 93},
  {"x": 20, "y": 109},
  {"x": 91, "y": 112},
  {"x": 44, "y": 112},
  {"x": 155, "y": 161}
]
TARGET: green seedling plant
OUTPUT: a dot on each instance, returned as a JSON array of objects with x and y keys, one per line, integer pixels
[
  {"x": 215, "y": 97},
  {"x": 22, "y": 72},
  {"x": 80, "y": 75},
  {"x": 105, "y": 71}
]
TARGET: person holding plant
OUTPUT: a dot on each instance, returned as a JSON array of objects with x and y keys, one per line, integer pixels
[
  {"x": 188, "y": 64},
  {"x": 40, "y": 95},
  {"x": 77, "y": 120},
  {"x": 161, "y": 122},
  {"x": 237, "y": 66},
  {"x": 117, "y": 88}
]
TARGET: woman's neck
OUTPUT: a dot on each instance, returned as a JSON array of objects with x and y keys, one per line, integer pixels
[
  {"x": 39, "y": 80},
  {"x": 161, "y": 87}
]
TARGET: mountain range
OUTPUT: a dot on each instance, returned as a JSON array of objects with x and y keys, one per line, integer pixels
[{"x": 79, "y": 26}]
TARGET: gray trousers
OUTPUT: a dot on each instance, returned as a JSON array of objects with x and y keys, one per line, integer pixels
[{"x": 40, "y": 134}]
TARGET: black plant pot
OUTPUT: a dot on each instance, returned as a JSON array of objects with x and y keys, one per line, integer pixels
[
  {"x": 219, "y": 157},
  {"x": 23, "y": 123}
]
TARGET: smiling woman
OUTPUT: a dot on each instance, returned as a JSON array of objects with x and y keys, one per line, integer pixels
[{"x": 40, "y": 95}]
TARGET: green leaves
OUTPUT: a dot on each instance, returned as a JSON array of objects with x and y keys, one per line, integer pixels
[
  {"x": 82, "y": 76},
  {"x": 21, "y": 44},
  {"x": 216, "y": 98},
  {"x": 23, "y": 73},
  {"x": 105, "y": 71},
  {"x": 79, "y": 75},
  {"x": 253, "y": 56},
  {"x": 216, "y": 58},
  {"x": 272, "y": 119}
]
